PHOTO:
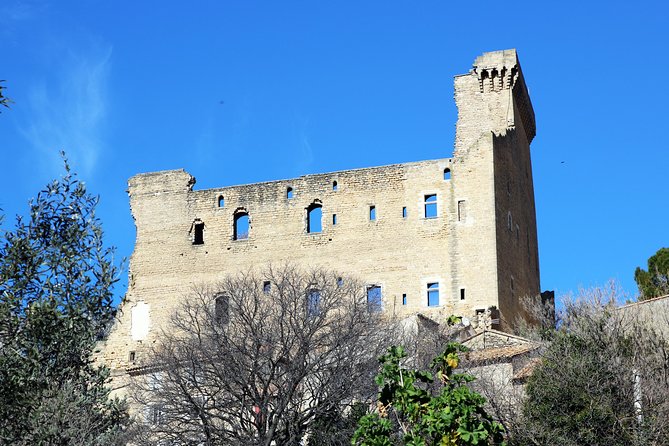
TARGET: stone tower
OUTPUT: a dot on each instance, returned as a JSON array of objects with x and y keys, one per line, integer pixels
[{"x": 439, "y": 237}]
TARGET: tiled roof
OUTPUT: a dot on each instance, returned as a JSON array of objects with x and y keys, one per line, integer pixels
[
  {"x": 526, "y": 371},
  {"x": 492, "y": 354}
]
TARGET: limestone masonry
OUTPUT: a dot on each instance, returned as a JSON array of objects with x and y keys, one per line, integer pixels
[{"x": 440, "y": 237}]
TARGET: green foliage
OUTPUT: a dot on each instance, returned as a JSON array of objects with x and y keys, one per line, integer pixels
[
  {"x": 56, "y": 301},
  {"x": 655, "y": 281},
  {"x": 425, "y": 408}
]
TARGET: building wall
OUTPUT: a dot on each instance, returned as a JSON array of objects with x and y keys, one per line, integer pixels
[{"x": 466, "y": 246}]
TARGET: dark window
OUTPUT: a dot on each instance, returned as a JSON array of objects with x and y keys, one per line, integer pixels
[
  {"x": 431, "y": 206},
  {"x": 372, "y": 213},
  {"x": 462, "y": 294},
  {"x": 447, "y": 174},
  {"x": 289, "y": 192},
  {"x": 314, "y": 217},
  {"x": 432, "y": 294},
  {"x": 404, "y": 299},
  {"x": 334, "y": 219},
  {"x": 313, "y": 303},
  {"x": 462, "y": 210},
  {"x": 222, "y": 310},
  {"x": 156, "y": 415},
  {"x": 221, "y": 201},
  {"x": 241, "y": 227},
  {"x": 198, "y": 233},
  {"x": 340, "y": 282},
  {"x": 374, "y": 298},
  {"x": 334, "y": 185},
  {"x": 266, "y": 286},
  {"x": 131, "y": 356},
  {"x": 404, "y": 212}
]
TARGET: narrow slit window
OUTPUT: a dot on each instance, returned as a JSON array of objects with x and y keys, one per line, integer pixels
[
  {"x": 241, "y": 226},
  {"x": 131, "y": 356},
  {"x": 404, "y": 212},
  {"x": 266, "y": 286},
  {"x": 313, "y": 303},
  {"x": 289, "y": 192},
  {"x": 462, "y": 210},
  {"x": 404, "y": 299},
  {"x": 433, "y": 294},
  {"x": 334, "y": 219},
  {"x": 221, "y": 201},
  {"x": 462, "y": 294},
  {"x": 314, "y": 217},
  {"x": 334, "y": 186},
  {"x": 447, "y": 174},
  {"x": 198, "y": 233},
  {"x": 372, "y": 213},
  {"x": 222, "y": 310},
  {"x": 374, "y": 298},
  {"x": 431, "y": 206}
]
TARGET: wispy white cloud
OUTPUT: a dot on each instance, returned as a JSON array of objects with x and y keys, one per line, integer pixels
[
  {"x": 305, "y": 151},
  {"x": 67, "y": 111}
]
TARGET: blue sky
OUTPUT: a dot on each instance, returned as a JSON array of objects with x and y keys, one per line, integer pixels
[{"x": 246, "y": 91}]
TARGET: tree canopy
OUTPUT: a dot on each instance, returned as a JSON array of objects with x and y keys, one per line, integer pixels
[
  {"x": 56, "y": 301},
  {"x": 427, "y": 408},
  {"x": 654, "y": 282}
]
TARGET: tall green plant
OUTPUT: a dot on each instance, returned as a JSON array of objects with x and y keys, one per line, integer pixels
[
  {"x": 56, "y": 301},
  {"x": 426, "y": 408}
]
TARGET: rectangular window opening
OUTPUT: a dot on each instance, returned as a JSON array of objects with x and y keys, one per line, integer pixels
[
  {"x": 462, "y": 210},
  {"x": 372, "y": 213},
  {"x": 131, "y": 356},
  {"x": 462, "y": 294},
  {"x": 404, "y": 212},
  {"x": 313, "y": 303},
  {"x": 374, "y": 300},
  {"x": 266, "y": 286},
  {"x": 431, "y": 206},
  {"x": 433, "y": 294},
  {"x": 198, "y": 234},
  {"x": 404, "y": 299},
  {"x": 334, "y": 219}
]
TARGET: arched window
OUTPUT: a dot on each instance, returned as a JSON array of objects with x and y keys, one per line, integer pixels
[
  {"x": 314, "y": 218},
  {"x": 447, "y": 174},
  {"x": 289, "y": 192},
  {"x": 241, "y": 226},
  {"x": 221, "y": 201},
  {"x": 334, "y": 185}
]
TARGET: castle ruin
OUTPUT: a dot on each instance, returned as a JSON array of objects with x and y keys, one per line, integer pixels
[{"x": 448, "y": 236}]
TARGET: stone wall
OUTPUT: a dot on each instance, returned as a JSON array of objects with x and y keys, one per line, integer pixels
[{"x": 480, "y": 247}]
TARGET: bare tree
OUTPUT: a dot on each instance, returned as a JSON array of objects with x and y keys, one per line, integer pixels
[
  {"x": 262, "y": 358},
  {"x": 603, "y": 379}
]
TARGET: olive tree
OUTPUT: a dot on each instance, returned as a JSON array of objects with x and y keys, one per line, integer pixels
[{"x": 56, "y": 301}]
